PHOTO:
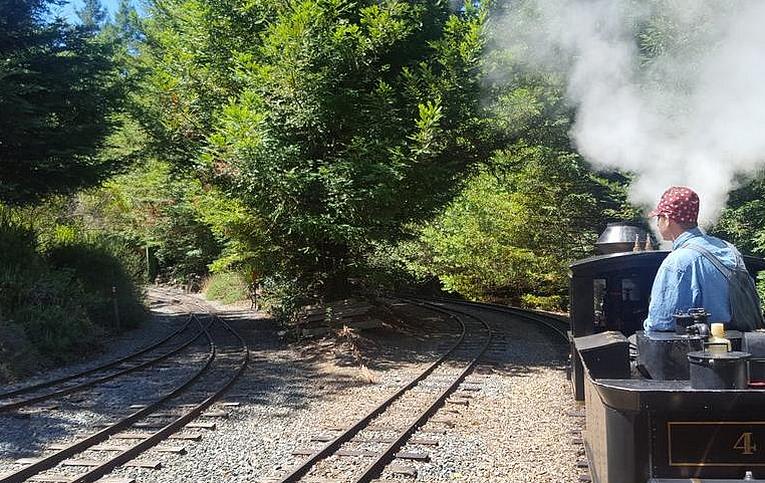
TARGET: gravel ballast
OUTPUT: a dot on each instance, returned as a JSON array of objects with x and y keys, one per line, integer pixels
[{"x": 516, "y": 427}]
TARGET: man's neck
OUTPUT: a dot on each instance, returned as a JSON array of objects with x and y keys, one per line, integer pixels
[{"x": 684, "y": 235}]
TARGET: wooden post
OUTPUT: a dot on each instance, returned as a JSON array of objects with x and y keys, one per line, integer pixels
[{"x": 116, "y": 309}]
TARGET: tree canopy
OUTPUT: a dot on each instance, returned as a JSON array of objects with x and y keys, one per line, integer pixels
[
  {"x": 58, "y": 91},
  {"x": 335, "y": 122}
]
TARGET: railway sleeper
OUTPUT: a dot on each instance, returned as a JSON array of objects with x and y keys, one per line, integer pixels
[
  {"x": 405, "y": 470},
  {"x": 83, "y": 462},
  {"x": 405, "y": 455},
  {"x": 210, "y": 426},
  {"x": 69, "y": 479},
  {"x": 106, "y": 447},
  {"x": 420, "y": 441},
  {"x": 192, "y": 436}
]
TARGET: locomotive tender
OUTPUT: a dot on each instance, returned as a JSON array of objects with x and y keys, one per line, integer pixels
[{"x": 654, "y": 425}]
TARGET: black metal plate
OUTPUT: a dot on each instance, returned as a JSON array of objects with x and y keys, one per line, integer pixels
[
  {"x": 707, "y": 448},
  {"x": 716, "y": 443}
]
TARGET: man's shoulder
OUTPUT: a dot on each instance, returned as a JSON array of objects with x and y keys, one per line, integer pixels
[
  {"x": 681, "y": 259},
  {"x": 721, "y": 250}
]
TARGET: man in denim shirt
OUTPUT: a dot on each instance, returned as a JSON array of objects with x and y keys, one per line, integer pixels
[{"x": 686, "y": 278}]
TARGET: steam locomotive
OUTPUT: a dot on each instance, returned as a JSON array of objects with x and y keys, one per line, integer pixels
[{"x": 656, "y": 417}]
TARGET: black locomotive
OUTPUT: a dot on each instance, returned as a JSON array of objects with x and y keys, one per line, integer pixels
[{"x": 649, "y": 422}]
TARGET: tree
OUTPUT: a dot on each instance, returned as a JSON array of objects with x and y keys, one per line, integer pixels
[
  {"x": 58, "y": 90},
  {"x": 340, "y": 122},
  {"x": 93, "y": 15},
  {"x": 511, "y": 234}
]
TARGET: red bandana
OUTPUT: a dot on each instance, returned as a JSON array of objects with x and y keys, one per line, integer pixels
[{"x": 680, "y": 204}]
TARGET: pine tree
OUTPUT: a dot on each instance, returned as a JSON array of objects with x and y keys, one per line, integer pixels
[
  {"x": 58, "y": 90},
  {"x": 93, "y": 15}
]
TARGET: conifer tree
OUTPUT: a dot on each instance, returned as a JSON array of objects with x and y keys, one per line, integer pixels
[
  {"x": 58, "y": 90},
  {"x": 93, "y": 15}
]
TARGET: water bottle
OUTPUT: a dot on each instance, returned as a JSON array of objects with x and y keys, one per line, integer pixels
[{"x": 717, "y": 342}]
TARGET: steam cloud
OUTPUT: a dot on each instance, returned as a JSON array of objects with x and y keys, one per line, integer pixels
[{"x": 691, "y": 114}]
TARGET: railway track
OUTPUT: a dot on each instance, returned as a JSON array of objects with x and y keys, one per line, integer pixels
[
  {"x": 559, "y": 325},
  {"x": 389, "y": 440},
  {"x": 29, "y": 395},
  {"x": 34, "y": 394},
  {"x": 143, "y": 426},
  {"x": 375, "y": 442}
]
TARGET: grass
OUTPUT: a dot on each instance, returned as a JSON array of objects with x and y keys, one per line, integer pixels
[{"x": 227, "y": 287}]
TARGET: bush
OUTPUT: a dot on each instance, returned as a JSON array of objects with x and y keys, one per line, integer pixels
[
  {"x": 48, "y": 305},
  {"x": 17, "y": 354},
  {"x": 56, "y": 301},
  {"x": 228, "y": 287},
  {"x": 551, "y": 303},
  {"x": 104, "y": 270}
]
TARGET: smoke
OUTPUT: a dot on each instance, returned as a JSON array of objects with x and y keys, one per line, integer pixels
[{"x": 687, "y": 108}]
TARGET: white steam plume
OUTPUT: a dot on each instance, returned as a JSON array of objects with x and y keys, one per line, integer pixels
[{"x": 692, "y": 114}]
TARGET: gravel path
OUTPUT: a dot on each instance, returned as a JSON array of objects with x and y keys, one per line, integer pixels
[{"x": 516, "y": 427}]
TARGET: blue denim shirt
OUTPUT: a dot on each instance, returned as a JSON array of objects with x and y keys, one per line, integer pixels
[{"x": 686, "y": 279}]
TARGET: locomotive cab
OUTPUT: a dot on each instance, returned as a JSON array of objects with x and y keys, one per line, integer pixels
[
  {"x": 655, "y": 428},
  {"x": 609, "y": 293}
]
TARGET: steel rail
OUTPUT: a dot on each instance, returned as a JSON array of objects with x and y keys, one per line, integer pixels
[
  {"x": 80, "y": 446},
  {"x": 93, "y": 382},
  {"x": 346, "y": 436},
  {"x": 162, "y": 434},
  {"x": 53, "y": 382},
  {"x": 557, "y": 324},
  {"x": 349, "y": 433},
  {"x": 375, "y": 468}
]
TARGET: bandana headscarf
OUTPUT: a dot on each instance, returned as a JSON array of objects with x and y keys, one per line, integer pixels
[{"x": 678, "y": 203}]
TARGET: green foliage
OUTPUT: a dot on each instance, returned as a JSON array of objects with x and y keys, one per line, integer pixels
[
  {"x": 552, "y": 303},
  {"x": 228, "y": 287},
  {"x": 92, "y": 15},
  {"x": 743, "y": 222},
  {"x": 156, "y": 207},
  {"x": 55, "y": 297},
  {"x": 58, "y": 91},
  {"x": 340, "y": 122},
  {"x": 101, "y": 268},
  {"x": 512, "y": 232},
  {"x": 17, "y": 354},
  {"x": 45, "y": 304}
]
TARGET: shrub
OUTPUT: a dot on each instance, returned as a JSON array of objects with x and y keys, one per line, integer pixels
[
  {"x": 55, "y": 295},
  {"x": 18, "y": 239},
  {"x": 104, "y": 270},
  {"x": 49, "y": 306},
  {"x": 17, "y": 354},
  {"x": 552, "y": 303},
  {"x": 228, "y": 287}
]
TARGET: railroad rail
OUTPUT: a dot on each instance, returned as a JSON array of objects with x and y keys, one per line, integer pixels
[
  {"x": 559, "y": 324},
  {"x": 466, "y": 347},
  {"x": 476, "y": 336},
  {"x": 62, "y": 386},
  {"x": 227, "y": 357},
  {"x": 52, "y": 383},
  {"x": 79, "y": 382}
]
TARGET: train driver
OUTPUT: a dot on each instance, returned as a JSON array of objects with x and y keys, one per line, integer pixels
[{"x": 687, "y": 278}]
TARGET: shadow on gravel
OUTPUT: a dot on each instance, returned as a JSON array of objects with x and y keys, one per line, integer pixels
[
  {"x": 293, "y": 376},
  {"x": 17, "y": 441}
]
